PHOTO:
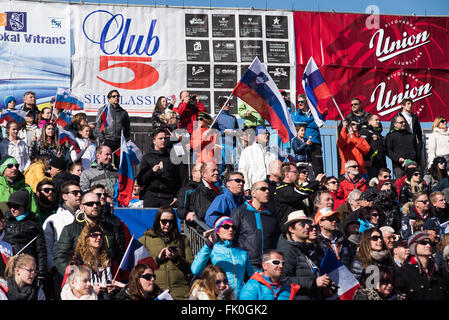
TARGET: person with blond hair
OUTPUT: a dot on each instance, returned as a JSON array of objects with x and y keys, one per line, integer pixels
[
  {"x": 20, "y": 274},
  {"x": 438, "y": 143},
  {"x": 213, "y": 285},
  {"x": 78, "y": 286}
]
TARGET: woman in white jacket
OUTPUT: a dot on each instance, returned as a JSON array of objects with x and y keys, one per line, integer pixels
[
  {"x": 88, "y": 148},
  {"x": 15, "y": 147},
  {"x": 438, "y": 144}
]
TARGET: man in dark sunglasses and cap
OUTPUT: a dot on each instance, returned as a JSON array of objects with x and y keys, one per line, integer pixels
[{"x": 11, "y": 180}]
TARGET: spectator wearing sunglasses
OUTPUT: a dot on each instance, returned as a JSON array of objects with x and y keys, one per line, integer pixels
[
  {"x": 171, "y": 251},
  {"x": 437, "y": 145},
  {"x": 141, "y": 285},
  {"x": 267, "y": 285},
  {"x": 91, "y": 252},
  {"x": 299, "y": 268},
  {"x": 256, "y": 227},
  {"x": 204, "y": 140},
  {"x": 22, "y": 226},
  {"x": 420, "y": 278},
  {"x": 89, "y": 213},
  {"x": 383, "y": 290},
  {"x": 436, "y": 176},
  {"x": 412, "y": 125},
  {"x": 352, "y": 146},
  {"x": 372, "y": 253},
  {"x": 312, "y": 135},
  {"x": 231, "y": 198},
  {"x": 220, "y": 250},
  {"x": 413, "y": 184},
  {"x": 11, "y": 180},
  {"x": 401, "y": 145},
  {"x": 110, "y": 136},
  {"x": 15, "y": 147},
  {"x": 352, "y": 179},
  {"x": 419, "y": 210},
  {"x": 45, "y": 194},
  {"x": 213, "y": 285},
  {"x": 330, "y": 237}
]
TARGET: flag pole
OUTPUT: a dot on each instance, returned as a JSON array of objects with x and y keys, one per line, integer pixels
[
  {"x": 124, "y": 256},
  {"x": 229, "y": 98},
  {"x": 339, "y": 111},
  {"x": 26, "y": 246}
]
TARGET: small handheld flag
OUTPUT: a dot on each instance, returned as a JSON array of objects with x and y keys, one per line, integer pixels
[
  {"x": 66, "y": 100},
  {"x": 105, "y": 117},
  {"x": 64, "y": 118},
  {"x": 65, "y": 136},
  {"x": 136, "y": 253},
  {"x": 13, "y": 115}
]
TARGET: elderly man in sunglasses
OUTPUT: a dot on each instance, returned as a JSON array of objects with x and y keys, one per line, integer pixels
[
  {"x": 90, "y": 212},
  {"x": 11, "y": 179},
  {"x": 256, "y": 226},
  {"x": 267, "y": 285}
]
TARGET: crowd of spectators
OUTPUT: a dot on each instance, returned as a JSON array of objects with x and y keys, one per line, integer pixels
[{"x": 268, "y": 215}]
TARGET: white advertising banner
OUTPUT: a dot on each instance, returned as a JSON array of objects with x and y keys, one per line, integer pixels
[
  {"x": 34, "y": 48},
  {"x": 147, "y": 52}
]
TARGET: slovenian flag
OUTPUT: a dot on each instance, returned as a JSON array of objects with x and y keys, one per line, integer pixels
[
  {"x": 125, "y": 175},
  {"x": 13, "y": 115},
  {"x": 105, "y": 117},
  {"x": 66, "y": 100},
  {"x": 136, "y": 253},
  {"x": 345, "y": 281},
  {"x": 134, "y": 152},
  {"x": 258, "y": 89},
  {"x": 65, "y": 136},
  {"x": 64, "y": 118},
  {"x": 316, "y": 91}
]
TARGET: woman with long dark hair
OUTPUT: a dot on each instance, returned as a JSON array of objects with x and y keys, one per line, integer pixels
[
  {"x": 141, "y": 285},
  {"x": 437, "y": 172},
  {"x": 172, "y": 252},
  {"x": 47, "y": 145},
  {"x": 372, "y": 253}
]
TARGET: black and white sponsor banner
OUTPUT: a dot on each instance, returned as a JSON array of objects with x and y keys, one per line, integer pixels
[{"x": 146, "y": 52}]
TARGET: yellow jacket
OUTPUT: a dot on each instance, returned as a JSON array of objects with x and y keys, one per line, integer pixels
[{"x": 35, "y": 174}]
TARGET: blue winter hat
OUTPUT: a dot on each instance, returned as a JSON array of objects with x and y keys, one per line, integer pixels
[
  {"x": 8, "y": 99},
  {"x": 261, "y": 129}
]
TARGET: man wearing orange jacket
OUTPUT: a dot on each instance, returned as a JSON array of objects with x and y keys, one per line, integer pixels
[{"x": 352, "y": 146}]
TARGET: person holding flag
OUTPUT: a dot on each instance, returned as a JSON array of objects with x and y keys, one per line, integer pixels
[
  {"x": 125, "y": 182},
  {"x": 111, "y": 120}
]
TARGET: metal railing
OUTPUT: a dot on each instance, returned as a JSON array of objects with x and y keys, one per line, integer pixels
[{"x": 194, "y": 235}]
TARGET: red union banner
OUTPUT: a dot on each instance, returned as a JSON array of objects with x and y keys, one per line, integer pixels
[{"x": 405, "y": 57}]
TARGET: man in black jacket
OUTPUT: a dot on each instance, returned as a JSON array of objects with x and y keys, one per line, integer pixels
[
  {"x": 205, "y": 193},
  {"x": 298, "y": 267},
  {"x": 22, "y": 226},
  {"x": 256, "y": 228},
  {"x": 90, "y": 213},
  {"x": 158, "y": 176},
  {"x": 288, "y": 196},
  {"x": 400, "y": 145},
  {"x": 412, "y": 125},
  {"x": 110, "y": 136},
  {"x": 59, "y": 175},
  {"x": 375, "y": 159}
]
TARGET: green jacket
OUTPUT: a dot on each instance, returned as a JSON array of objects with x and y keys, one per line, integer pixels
[
  {"x": 171, "y": 274},
  {"x": 6, "y": 189},
  {"x": 254, "y": 120}
]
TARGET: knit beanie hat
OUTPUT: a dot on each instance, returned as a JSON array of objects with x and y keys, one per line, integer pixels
[
  {"x": 410, "y": 171},
  {"x": 409, "y": 162},
  {"x": 414, "y": 239},
  {"x": 5, "y": 162},
  {"x": 221, "y": 222},
  {"x": 21, "y": 198},
  {"x": 58, "y": 163},
  {"x": 8, "y": 99}
]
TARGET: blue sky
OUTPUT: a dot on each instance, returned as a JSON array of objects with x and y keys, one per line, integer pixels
[{"x": 419, "y": 7}]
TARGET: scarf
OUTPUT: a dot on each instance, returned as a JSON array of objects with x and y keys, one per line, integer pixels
[
  {"x": 26, "y": 293},
  {"x": 379, "y": 256}
]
